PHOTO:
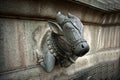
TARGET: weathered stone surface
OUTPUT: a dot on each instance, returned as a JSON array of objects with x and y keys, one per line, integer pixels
[
  {"x": 46, "y": 10},
  {"x": 29, "y": 73},
  {"x": 18, "y": 50},
  {"x": 17, "y": 43},
  {"x": 105, "y": 5}
]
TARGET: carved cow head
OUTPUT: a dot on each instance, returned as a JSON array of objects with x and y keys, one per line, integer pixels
[
  {"x": 65, "y": 43},
  {"x": 71, "y": 29}
]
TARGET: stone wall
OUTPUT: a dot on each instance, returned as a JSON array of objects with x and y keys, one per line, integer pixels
[{"x": 20, "y": 19}]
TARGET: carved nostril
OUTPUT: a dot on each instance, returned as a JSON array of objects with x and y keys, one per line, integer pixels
[
  {"x": 82, "y": 46},
  {"x": 85, "y": 45}
]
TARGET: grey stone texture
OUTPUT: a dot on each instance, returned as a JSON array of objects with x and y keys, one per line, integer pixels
[{"x": 24, "y": 23}]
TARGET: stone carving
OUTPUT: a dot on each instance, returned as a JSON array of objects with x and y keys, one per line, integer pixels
[{"x": 65, "y": 42}]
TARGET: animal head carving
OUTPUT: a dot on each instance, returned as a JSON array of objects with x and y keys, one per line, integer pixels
[
  {"x": 71, "y": 28},
  {"x": 65, "y": 43}
]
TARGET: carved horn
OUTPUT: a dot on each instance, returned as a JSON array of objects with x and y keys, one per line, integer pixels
[
  {"x": 60, "y": 18},
  {"x": 70, "y": 15}
]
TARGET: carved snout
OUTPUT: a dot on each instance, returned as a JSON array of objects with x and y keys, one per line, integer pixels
[{"x": 81, "y": 49}]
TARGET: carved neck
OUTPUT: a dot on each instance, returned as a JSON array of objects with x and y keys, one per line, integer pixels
[{"x": 58, "y": 47}]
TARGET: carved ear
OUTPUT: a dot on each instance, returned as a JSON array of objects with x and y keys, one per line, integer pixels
[
  {"x": 55, "y": 28},
  {"x": 71, "y": 16}
]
